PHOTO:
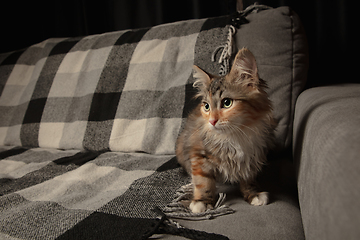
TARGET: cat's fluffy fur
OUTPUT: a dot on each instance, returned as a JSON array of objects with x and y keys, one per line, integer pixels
[{"x": 226, "y": 136}]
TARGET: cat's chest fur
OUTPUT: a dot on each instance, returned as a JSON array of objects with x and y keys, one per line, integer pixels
[{"x": 235, "y": 157}]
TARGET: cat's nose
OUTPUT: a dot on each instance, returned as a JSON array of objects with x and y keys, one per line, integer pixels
[{"x": 213, "y": 121}]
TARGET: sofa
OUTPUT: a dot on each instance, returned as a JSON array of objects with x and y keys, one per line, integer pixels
[{"x": 88, "y": 127}]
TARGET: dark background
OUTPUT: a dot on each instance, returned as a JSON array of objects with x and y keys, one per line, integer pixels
[{"x": 328, "y": 25}]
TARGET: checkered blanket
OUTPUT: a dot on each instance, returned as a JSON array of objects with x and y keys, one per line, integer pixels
[
  {"x": 88, "y": 128},
  {"x": 122, "y": 91}
]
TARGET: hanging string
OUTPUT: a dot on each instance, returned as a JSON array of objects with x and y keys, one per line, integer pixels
[
  {"x": 226, "y": 52},
  {"x": 237, "y": 20}
]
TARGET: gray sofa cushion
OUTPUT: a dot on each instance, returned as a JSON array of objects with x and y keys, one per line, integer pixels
[
  {"x": 327, "y": 152},
  {"x": 278, "y": 41}
]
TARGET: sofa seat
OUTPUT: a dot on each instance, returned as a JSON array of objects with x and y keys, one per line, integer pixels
[{"x": 280, "y": 219}]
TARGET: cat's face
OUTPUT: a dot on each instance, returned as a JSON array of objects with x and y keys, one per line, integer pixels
[
  {"x": 227, "y": 109},
  {"x": 235, "y": 101}
]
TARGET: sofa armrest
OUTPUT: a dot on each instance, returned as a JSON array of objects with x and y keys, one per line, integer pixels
[{"x": 327, "y": 154}]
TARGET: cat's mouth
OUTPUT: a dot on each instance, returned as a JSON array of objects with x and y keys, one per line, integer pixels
[{"x": 217, "y": 127}]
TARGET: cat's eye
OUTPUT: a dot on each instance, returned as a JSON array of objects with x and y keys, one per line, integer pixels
[
  {"x": 226, "y": 103},
  {"x": 206, "y": 107}
]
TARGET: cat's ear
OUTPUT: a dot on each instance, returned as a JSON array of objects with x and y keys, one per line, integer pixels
[
  {"x": 202, "y": 78},
  {"x": 244, "y": 69}
]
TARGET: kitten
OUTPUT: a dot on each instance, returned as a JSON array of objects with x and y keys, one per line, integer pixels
[{"x": 225, "y": 138}]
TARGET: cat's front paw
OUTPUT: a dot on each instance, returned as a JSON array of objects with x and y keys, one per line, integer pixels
[
  {"x": 260, "y": 199},
  {"x": 199, "y": 206}
]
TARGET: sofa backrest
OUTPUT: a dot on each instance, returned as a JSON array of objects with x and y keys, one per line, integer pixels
[
  {"x": 131, "y": 90},
  {"x": 278, "y": 41}
]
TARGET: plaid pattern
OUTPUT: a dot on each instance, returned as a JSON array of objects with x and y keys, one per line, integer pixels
[
  {"x": 123, "y": 91},
  {"x": 128, "y": 92},
  {"x": 54, "y": 194}
]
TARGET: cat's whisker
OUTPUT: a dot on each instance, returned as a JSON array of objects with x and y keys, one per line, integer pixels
[
  {"x": 243, "y": 125},
  {"x": 239, "y": 130},
  {"x": 195, "y": 132},
  {"x": 244, "y": 134}
]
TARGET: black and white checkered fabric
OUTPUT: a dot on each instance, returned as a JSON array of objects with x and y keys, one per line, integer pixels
[
  {"x": 122, "y": 91},
  {"x": 88, "y": 129}
]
